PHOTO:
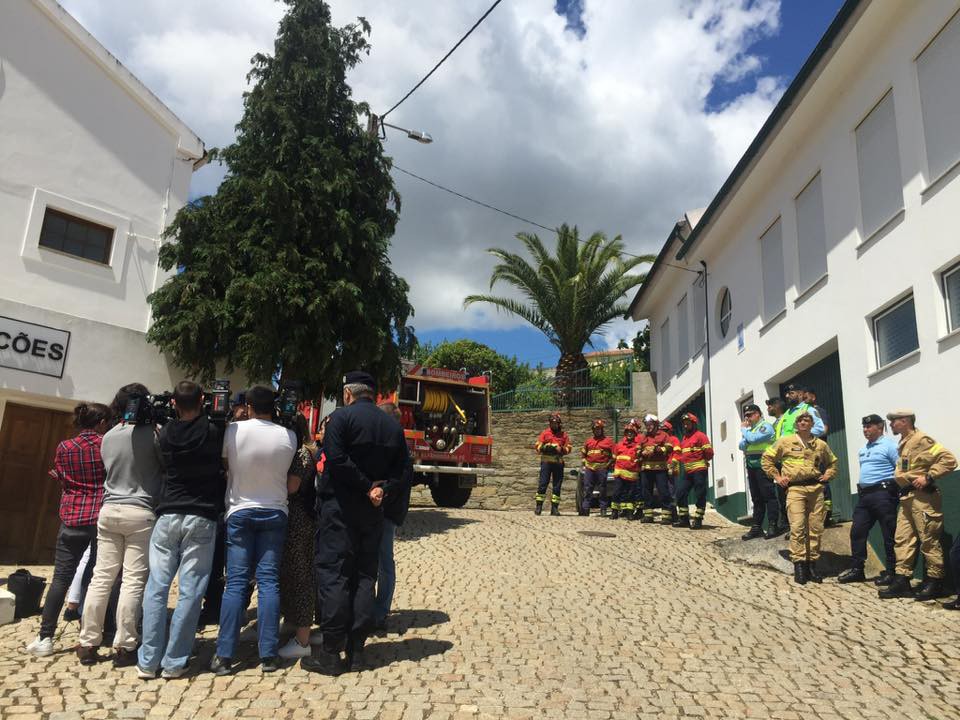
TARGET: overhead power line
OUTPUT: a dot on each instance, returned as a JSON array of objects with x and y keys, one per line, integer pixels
[
  {"x": 512, "y": 215},
  {"x": 442, "y": 60}
]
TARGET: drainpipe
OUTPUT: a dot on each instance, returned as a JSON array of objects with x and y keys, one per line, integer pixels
[{"x": 709, "y": 403}]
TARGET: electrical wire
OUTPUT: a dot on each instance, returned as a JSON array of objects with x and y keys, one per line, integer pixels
[
  {"x": 513, "y": 215},
  {"x": 442, "y": 60}
]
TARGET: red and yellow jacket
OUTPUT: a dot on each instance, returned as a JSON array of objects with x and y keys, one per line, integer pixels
[
  {"x": 695, "y": 451},
  {"x": 656, "y": 451},
  {"x": 597, "y": 454},
  {"x": 626, "y": 463},
  {"x": 674, "y": 461},
  {"x": 552, "y": 447}
]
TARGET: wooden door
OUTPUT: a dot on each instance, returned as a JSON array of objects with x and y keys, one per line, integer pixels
[{"x": 29, "y": 497}]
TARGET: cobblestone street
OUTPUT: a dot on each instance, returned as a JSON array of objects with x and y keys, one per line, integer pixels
[{"x": 503, "y": 614}]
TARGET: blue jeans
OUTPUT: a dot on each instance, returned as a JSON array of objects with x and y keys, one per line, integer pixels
[
  {"x": 184, "y": 543},
  {"x": 387, "y": 574},
  {"x": 254, "y": 543}
]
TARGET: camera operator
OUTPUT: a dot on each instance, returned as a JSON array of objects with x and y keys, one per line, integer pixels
[
  {"x": 258, "y": 455},
  {"x": 131, "y": 488},
  {"x": 184, "y": 534}
]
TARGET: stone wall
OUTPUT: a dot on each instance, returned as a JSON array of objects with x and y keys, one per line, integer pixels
[{"x": 517, "y": 464}]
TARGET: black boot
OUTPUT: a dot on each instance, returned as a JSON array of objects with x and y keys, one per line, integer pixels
[
  {"x": 952, "y": 605},
  {"x": 555, "y": 509},
  {"x": 753, "y": 532},
  {"x": 696, "y": 523},
  {"x": 851, "y": 576},
  {"x": 884, "y": 578},
  {"x": 773, "y": 532},
  {"x": 800, "y": 573},
  {"x": 646, "y": 518},
  {"x": 683, "y": 521},
  {"x": 539, "y": 508},
  {"x": 603, "y": 511},
  {"x": 583, "y": 513},
  {"x": 900, "y": 587},
  {"x": 930, "y": 590},
  {"x": 812, "y": 574},
  {"x": 614, "y": 513}
]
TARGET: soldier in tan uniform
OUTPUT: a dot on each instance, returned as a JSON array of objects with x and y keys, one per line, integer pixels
[
  {"x": 800, "y": 458},
  {"x": 919, "y": 518}
]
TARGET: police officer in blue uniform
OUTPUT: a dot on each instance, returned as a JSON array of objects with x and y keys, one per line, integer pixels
[
  {"x": 365, "y": 449},
  {"x": 877, "y": 498}
]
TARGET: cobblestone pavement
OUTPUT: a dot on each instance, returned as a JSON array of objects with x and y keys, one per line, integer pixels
[{"x": 503, "y": 614}]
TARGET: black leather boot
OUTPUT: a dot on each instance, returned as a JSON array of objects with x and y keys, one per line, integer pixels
[
  {"x": 752, "y": 533},
  {"x": 614, "y": 513},
  {"x": 900, "y": 587},
  {"x": 930, "y": 590},
  {"x": 851, "y": 576},
  {"x": 539, "y": 508},
  {"x": 812, "y": 574},
  {"x": 555, "y": 509},
  {"x": 800, "y": 573},
  {"x": 952, "y": 605},
  {"x": 696, "y": 523},
  {"x": 682, "y": 521},
  {"x": 884, "y": 578}
]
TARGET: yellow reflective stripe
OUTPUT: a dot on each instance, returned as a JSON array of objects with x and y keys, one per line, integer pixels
[
  {"x": 794, "y": 461},
  {"x": 935, "y": 449}
]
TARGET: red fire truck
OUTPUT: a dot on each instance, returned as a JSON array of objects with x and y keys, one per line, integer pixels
[{"x": 446, "y": 419}]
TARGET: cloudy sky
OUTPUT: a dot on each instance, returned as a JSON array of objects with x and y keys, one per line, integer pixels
[{"x": 613, "y": 115}]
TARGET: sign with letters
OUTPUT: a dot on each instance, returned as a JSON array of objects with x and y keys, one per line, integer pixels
[{"x": 33, "y": 348}]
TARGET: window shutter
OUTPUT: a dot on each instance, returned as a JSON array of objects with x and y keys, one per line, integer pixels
[
  {"x": 683, "y": 332},
  {"x": 771, "y": 259},
  {"x": 666, "y": 367},
  {"x": 878, "y": 160},
  {"x": 937, "y": 70},
  {"x": 811, "y": 235}
]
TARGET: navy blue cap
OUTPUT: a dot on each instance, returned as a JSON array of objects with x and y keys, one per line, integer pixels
[{"x": 359, "y": 377}]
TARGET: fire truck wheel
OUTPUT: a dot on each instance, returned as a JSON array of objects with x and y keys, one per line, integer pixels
[{"x": 448, "y": 493}]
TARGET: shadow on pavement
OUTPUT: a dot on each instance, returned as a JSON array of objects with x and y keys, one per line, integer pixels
[
  {"x": 422, "y": 522},
  {"x": 381, "y": 654},
  {"x": 402, "y": 620}
]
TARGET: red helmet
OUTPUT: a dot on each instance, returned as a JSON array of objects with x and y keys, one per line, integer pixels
[
  {"x": 691, "y": 417},
  {"x": 666, "y": 425},
  {"x": 598, "y": 423},
  {"x": 555, "y": 418}
]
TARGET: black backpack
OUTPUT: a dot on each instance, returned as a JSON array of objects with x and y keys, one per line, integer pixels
[{"x": 28, "y": 589}]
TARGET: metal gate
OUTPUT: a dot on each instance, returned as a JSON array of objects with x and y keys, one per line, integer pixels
[{"x": 824, "y": 377}]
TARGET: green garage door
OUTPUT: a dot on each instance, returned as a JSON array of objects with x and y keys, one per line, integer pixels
[{"x": 824, "y": 377}]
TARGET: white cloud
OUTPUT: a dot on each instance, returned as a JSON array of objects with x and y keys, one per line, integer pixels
[{"x": 609, "y": 132}]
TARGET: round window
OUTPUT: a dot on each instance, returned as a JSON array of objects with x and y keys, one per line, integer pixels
[{"x": 724, "y": 312}]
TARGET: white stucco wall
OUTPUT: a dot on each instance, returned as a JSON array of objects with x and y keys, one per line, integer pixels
[
  {"x": 79, "y": 133},
  {"x": 864, "y": 275}
]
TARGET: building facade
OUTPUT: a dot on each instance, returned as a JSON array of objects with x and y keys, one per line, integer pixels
[
  {"x": 831, "y": 255},
  {"x": 92, "y": 169}
]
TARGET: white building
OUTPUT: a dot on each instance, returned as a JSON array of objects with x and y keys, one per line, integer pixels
[
  {"x": 832, "y": 253},
  {"x": 92, "y": 168}
]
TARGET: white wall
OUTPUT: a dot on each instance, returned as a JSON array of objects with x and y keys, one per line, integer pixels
[
  {"x": 69, "y": 128},
  {"x": 863, "y": 274}
]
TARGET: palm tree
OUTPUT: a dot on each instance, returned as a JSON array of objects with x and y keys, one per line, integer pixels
[{"x": 571, "y": 295}]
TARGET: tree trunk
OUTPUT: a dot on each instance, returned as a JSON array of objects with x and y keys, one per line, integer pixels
[{"x": 572, "y": 372}]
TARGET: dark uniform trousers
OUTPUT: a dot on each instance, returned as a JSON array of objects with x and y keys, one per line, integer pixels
[
  {"x": 696, "y": 481},
  {"x": 955, "y": 562},
  {"x": 875, "y": 504},
  {"x": 346, "y": 552},
  {"x": 656, "y": 479},
  {"x": 594, "y": 480},
  {"x": 550, "y": 472},
  {"x": 763, "y": 494}
]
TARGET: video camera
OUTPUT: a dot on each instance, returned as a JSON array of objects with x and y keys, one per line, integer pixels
[
  {"x": 158, "y": 409},
  {"x": 286, "y": 407}
]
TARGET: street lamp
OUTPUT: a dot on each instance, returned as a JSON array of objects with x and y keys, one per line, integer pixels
[{"x": 375, "y": 127}]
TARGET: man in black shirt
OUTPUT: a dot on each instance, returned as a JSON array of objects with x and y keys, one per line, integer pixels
[
  {"x": 365, "y": 450},
  {"x": 191, "y": 498}
]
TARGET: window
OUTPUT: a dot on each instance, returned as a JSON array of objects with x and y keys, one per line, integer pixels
[
  {"x": 895, "y": 332},
  {"x": 878, "y": 161},
  {"x": 771, "y": 261},
  {"x": 75, "y": 236},
  {"x": 951, "y": 293},
  {"x": 699, "y": 314},
  {"x": 724, "y": 312},
  {"x": 666, "y": 365},
  {"x": 683, "y": 336},
  {"x": 940, "y": 98},
  {"x": 811, "y": 235}
]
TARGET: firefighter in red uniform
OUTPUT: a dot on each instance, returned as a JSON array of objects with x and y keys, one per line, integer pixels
[
  {"x": 626, "y": 473},
  {"x": 695, "y": 455},
  {"x": 656, "y": 449},
  {"x": 552, "y": 445},
  {"x": 597, "y": 454},
  {"x": 673, "y": 465}
]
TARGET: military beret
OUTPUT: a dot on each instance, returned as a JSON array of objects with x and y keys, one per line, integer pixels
[
  {"x": 359, "y": 377},
  {"x": 900, "y": 414},
  {"x": 872, "y": 419}
]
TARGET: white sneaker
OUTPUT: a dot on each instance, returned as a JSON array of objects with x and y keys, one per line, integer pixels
[
  {"x": 293, "y": 649},
  {"x": 174, "y": 674},
  {"x": 146, "y": 674},
  {"x": 316, "y": 638},
  {"x": 41, "y": 647}
]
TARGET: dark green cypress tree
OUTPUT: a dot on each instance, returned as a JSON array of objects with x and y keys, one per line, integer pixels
[{"x": 285, "y": 266}]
